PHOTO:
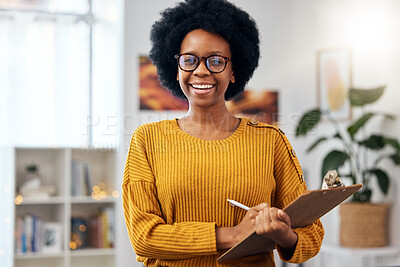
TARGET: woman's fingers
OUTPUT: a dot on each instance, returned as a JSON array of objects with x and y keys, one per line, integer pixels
[
  {"x": 260, "y": 207},
  {"x": 277, "y": 215},
  {"x": 267, "y": 221},
  {"x": 272, "y": 221},
  {"x": 263, "y": 221},
  {"x": 284, "y": 217},
  {"x": 266, "y": 216}
]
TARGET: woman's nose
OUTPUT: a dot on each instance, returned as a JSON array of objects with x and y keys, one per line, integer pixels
[{"x": 202, "y": 68}]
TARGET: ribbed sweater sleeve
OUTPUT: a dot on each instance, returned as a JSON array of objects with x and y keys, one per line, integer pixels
[
  {"x": 150, "y": 236},
  {"x": 290, "y": 185}
]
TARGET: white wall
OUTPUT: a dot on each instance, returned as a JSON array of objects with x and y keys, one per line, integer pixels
[
  {"x": 292, "y": 31},
  {"x": 7, "y": 183}
]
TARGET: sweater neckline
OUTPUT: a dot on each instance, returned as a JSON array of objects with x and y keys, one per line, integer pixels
[{"x": 228, "y": 139}]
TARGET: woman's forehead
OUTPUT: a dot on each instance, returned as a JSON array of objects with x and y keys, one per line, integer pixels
[{"x": 203, "y": 41}]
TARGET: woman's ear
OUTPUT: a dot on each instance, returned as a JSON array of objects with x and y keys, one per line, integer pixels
[{"x": 233, "y": 78}]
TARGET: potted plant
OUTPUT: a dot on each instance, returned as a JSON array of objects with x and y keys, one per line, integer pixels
[{"x": 352, "y": 159}]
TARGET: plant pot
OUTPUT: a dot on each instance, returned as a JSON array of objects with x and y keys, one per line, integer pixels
[{"x": 363, "y": 224}]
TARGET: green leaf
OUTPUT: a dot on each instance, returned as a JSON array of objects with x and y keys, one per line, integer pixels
[
  {"x": 395, "y": 158},
  {"x": 374, "y": 142},
  {"x": 383, "y": 179},
  {"x": 358, "y": 124},
  {"x": 353, "y": 129},
  {"x": 333, "y": 161},
  {"x": 361, "y": 97},
  {"x": 393, "y": 142},
  {"x": 316, "y": 143},
  {"x": 322, "y": 139},
  {"x": 308, "y": 122}
]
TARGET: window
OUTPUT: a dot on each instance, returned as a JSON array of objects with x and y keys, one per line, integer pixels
[{"x": 59, "y": 78}]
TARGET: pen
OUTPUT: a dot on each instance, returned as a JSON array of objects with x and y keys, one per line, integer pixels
[{"x": 237, "y": 204}]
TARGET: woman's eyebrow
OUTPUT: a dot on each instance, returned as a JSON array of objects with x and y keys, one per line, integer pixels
[{"x": 214, "y": 52}]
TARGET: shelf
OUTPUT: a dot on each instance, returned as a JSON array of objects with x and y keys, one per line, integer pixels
[
  {"x": 38, "y": 255},
  {"x": 42, "y": 201},
  {"x": 92, "y": 252},
  {"x": 55, "y": 213},
  {"x": 88, "y": 200}
]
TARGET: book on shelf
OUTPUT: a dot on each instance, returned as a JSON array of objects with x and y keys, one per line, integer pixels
[
  {"x": 101, "y": 229},
  {"x": 87, "y": 178},
  {"x": 95, "y": 232},
  {"x": 28, "y": 233},
  {"x": 78, "y": 233},
  {"x": 37, "y": 234},
  {"x": 32, "y": 235},
  {"x": 81, "y": 184},
  {"x": 109, "y": 212},
  {"x": 18, "y": 235}
]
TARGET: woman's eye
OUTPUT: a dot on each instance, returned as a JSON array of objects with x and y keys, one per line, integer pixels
[
  {"x": 189, "y": 60},
  {"x": 216, "y": 61}
]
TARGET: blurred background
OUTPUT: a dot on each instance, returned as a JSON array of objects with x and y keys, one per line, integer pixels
[{"x": 72, "y": 91}]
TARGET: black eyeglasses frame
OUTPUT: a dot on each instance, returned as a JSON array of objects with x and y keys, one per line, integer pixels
[{"x": 227, "y": 59}]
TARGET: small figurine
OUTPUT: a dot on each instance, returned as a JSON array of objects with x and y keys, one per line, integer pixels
[{"x": 331, "y": 180}]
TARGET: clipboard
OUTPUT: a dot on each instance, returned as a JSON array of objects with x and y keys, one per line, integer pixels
[{"x": 304, "y": 210}]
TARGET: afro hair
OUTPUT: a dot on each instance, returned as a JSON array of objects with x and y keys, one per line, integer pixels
[{"x": 215, "y": 16}]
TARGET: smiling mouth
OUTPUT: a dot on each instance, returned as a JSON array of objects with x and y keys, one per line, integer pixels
[
  {"x": 202, "y": 86},
  {"x": 202, "y": 89}
]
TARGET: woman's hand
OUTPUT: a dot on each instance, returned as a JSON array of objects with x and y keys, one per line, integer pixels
[
  {"x": 227, "y": 237},
  {"x": 274, "y": 224},
  {"x": 248, "y": 224},
  {"x": 270, "y": 222}
]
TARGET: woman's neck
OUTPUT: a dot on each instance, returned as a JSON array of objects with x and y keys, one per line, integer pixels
[{"x": 209, "y": 124}]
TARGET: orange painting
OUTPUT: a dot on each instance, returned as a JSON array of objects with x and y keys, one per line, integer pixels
[{"x": 259, "y": 105}]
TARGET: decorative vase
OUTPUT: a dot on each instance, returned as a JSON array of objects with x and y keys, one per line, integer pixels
[
  {"x": 32, "y": 184},
  {"x": 363, "y": 224}
]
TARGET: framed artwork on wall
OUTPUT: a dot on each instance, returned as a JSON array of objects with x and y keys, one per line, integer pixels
[
  {"x": 334, "y": 79},
  {"x": 259, "y": 105}
]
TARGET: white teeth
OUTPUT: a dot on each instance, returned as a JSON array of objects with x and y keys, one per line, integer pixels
[{"x": 202, "y": 86}]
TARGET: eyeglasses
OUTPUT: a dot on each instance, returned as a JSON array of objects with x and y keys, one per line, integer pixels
[{"x": 214, "y": 63}]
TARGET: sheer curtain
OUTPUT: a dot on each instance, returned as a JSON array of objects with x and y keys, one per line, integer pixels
[
  {"x": 44, "y": 79},
  {"x": 50, "y": 93}
]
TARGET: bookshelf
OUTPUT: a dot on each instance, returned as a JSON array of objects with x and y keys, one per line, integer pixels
[{"x": 60, "y": 242}]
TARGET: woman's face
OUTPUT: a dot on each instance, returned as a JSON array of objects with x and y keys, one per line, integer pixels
[{"x": 203, "y": 88}]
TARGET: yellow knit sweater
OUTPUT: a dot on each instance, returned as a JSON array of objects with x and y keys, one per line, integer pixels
[{"x": 176, "y": 186}]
